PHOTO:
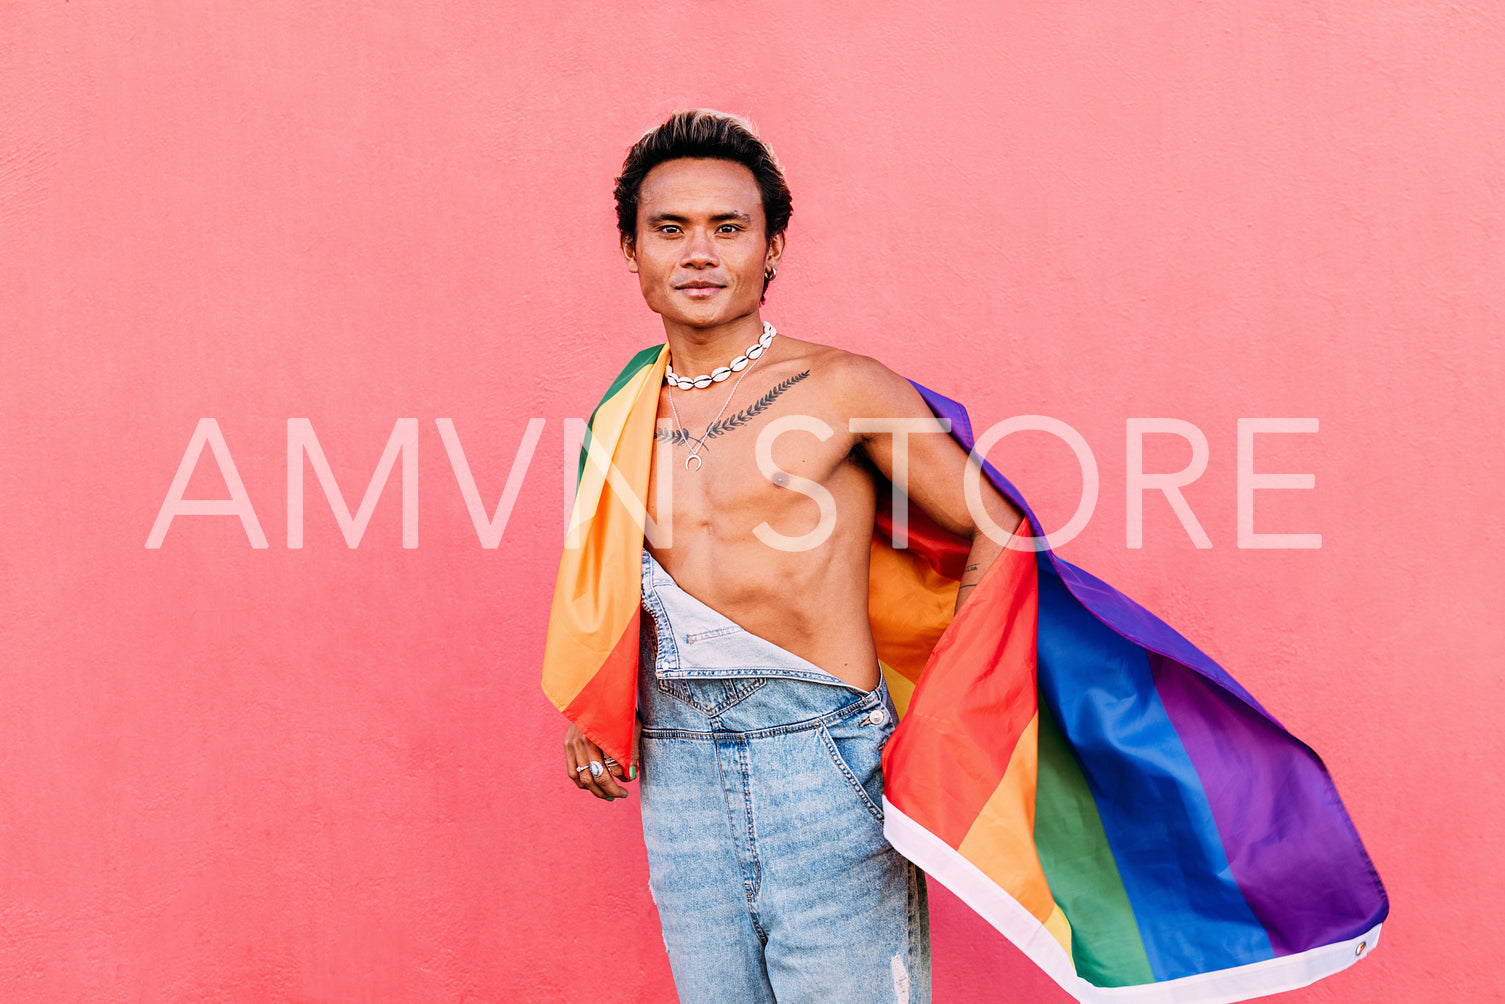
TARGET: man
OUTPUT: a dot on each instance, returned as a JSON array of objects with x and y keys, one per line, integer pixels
[
  {"x": 763, "y": 708},
  {"x": 1077, "y": 772}
]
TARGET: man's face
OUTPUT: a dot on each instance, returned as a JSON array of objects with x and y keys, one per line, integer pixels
[{"x": 702, "y": 244}]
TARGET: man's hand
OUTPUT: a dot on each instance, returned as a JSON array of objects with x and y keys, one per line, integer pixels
[{"x": 590, "y": 769}]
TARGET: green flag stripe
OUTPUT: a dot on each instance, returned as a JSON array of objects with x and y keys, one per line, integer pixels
[
  {"x": 636, "y": 363},
  {"x": 1105, "y": 942}
]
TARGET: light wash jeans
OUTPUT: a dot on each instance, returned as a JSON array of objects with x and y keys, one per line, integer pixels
[{"x": 761, "y": 796}]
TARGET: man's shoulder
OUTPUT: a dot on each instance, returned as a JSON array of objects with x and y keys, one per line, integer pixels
[
  {"x": 845, "y": 373},
  {"x": 858, "y": 385}
]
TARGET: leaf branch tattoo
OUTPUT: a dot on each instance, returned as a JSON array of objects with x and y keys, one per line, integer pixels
[{"x": 731, "y": 423}]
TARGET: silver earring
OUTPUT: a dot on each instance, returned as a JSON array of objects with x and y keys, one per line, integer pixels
[{"x": 770, "y": 272}]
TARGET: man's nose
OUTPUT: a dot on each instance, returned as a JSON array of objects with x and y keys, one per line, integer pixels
[{"x": 700, "y": 250}]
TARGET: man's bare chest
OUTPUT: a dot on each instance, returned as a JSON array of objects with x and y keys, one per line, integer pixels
[{"x": 721, "y": 468}]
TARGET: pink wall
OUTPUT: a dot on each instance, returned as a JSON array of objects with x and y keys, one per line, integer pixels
[{"x": 325, "y": 774}]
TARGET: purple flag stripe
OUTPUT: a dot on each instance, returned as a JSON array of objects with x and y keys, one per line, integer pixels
[{"x": 1290, "y": 844}]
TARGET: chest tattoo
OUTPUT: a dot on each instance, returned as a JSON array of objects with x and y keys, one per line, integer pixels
[{"x": 732, "y": 422}]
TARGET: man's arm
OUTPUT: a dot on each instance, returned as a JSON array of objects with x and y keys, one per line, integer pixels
[
  {"x": 980, "y": 558},
  {"x": 887, "y": 414}
]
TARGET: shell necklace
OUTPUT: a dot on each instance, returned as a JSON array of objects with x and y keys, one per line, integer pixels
[{"x": 720, "y": 373}]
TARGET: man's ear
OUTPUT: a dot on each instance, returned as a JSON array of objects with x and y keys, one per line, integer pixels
[
  {"x": 629, "y": 252},
  {"x": 775, "y": 251}
]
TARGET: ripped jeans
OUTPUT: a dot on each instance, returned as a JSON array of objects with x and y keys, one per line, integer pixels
[{"x": 762, "y": 810}]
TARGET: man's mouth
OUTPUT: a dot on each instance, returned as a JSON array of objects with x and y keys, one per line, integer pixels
[{"x": 699, "y": 289}]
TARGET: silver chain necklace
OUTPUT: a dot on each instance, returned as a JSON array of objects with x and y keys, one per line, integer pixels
[{"x": 700, "y": 443}]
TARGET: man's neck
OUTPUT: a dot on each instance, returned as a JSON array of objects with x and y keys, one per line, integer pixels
[{"x": 695, "y": 351}]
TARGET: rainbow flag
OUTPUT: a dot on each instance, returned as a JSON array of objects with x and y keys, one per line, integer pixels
[{"x": 1087, "y": 780}]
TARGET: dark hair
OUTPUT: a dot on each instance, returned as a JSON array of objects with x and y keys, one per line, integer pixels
[{"x": 713, "y": 135}]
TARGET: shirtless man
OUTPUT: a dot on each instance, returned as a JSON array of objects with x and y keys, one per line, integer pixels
[{"x": 763, "y": 710}]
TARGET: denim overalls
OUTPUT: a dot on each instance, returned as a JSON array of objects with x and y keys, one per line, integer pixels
[{"x": 761, "y": 797}]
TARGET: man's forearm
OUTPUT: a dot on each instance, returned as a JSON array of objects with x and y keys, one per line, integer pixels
[
  {"x": 984, "y": 551},
  {"x": 980, "y": 557}
]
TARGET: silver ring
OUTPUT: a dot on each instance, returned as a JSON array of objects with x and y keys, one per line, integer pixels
[
  {"x": 596, "y": 769},
  {"x": 610, "y": 762},
  {"x": 579, "y": 769}
]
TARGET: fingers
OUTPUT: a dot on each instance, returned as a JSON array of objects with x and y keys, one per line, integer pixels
[
  {"x": 598, "y": 779},
  {"x": 588, "y": 769}
]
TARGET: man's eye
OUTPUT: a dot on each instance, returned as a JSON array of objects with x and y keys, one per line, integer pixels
[
  {"x": 728, "y": 228},
  {"x": 668, "y": 228}
]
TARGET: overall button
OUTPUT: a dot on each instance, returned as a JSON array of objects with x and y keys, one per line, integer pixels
[{"x": 877, "y": 717}]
